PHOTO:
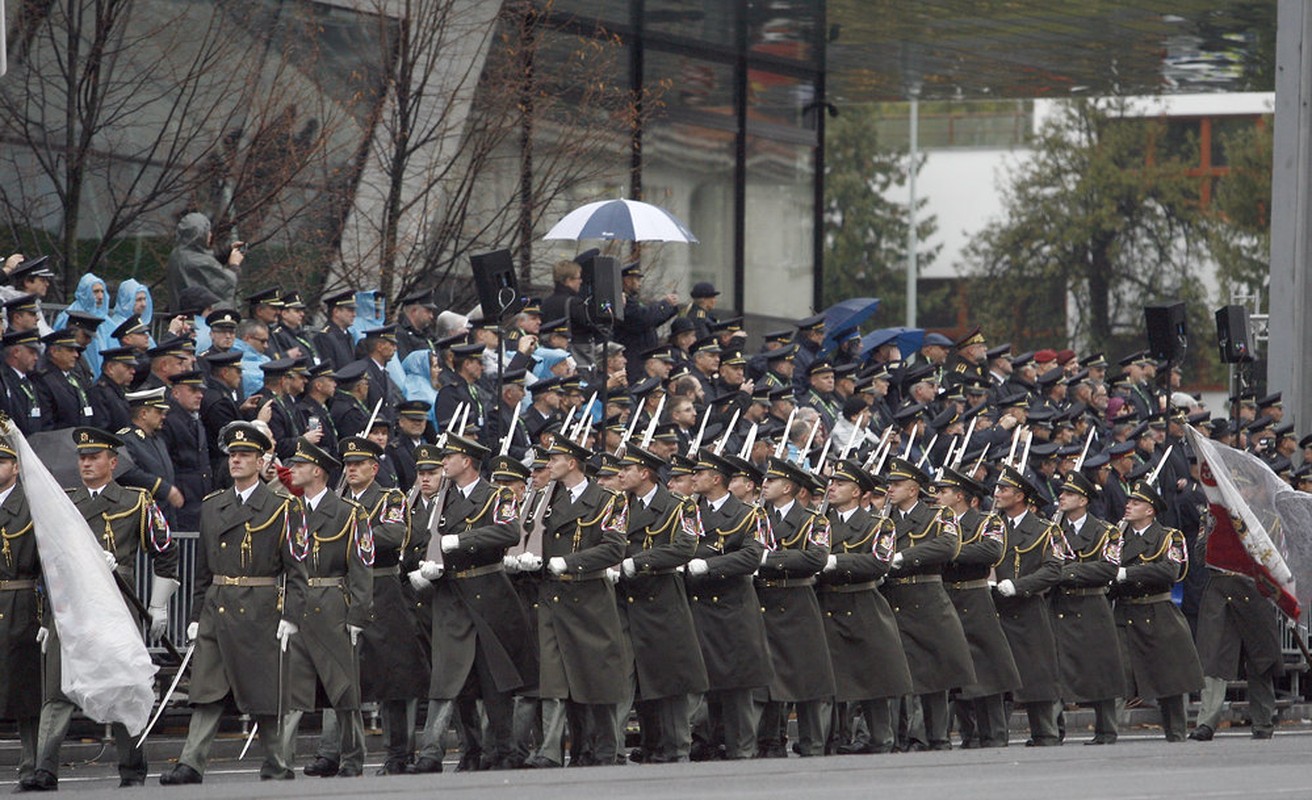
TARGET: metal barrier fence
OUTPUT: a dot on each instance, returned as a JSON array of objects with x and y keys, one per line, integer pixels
[{"x": 181, "y": 602}]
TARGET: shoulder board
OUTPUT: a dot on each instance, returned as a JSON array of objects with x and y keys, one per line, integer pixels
[
  {"x": 138, "y": 431},
  {"x": 214, "y": 493},
  {"x": 71, "y": 489},
  {"x": 353, "y": 503}
]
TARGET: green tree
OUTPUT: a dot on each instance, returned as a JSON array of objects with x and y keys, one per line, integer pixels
[
  {"x": 1239, "y": 227},
  {"x": 1101, "y": 213},
  {"x": 865, "y": 232}
]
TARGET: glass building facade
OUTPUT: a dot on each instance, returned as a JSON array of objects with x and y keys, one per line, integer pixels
[{"x": 734, "y": 143}]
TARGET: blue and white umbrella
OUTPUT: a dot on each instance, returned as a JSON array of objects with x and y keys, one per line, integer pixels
[{"x": 625, "y": 220}]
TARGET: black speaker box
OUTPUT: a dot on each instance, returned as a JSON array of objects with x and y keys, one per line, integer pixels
[
  {"x": 494, "y": 277},
  {"x": 1167, "y": 336},
  {"x": 603, "y": 288},
  {"x": 1234, "y": 335}
]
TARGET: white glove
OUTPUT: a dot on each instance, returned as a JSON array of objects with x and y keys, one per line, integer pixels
[
  {"x": 430, "y": 570},
  {"x": 630, "y": 568},
  {"x": 450, "y": 541},
  {"x": 898, "y": 558},
  {"x": 698, "y": 566},
  {"x": 529, "y": 562},
  {"x": 1006, "y": 588},
  {"x": 193, "y": 631},
  {"x": 417, "y": 579},
  {"x": 159, "y": 621},
  {"x": 831, "y": 564},
  {"x": 42, "y": 635},
  {"x": 612, "y": 575},
  {"x": 510, "y": 564},
  {"x": 161, "y": 590},
  {"x": 354, "y": 632},
  {"x": 765, "y": 554},
  {"x": 287, "y": 628},
  {"x": 111, "y": 560},
  {"x": 556, "y": 565},
  {"x": 1121, "y": 575}
]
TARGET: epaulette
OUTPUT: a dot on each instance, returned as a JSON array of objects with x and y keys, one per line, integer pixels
[
  {"x": 138, "y": 431},
  {"x": 214, "y": 493}
]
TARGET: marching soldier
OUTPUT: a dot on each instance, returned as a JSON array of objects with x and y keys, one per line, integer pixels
[
  {"x": 22, "y": 634},
  {"x": 663, "y": 533},
  {"x": 803, "y": 673},
  {"x": 1030, "y": 566},
  {"x": 249, "y": 592},
  {"x": 480, "y": 630},
  {"x": 124, "y": 520},
  {"x": 391, "y": 655},
  {"x": 981, "y": 711},
  {"x": 1088, "y": 651},
  {"x": 579, "y": 634},
  {"x": 418, "y": 590},
  {"x": 937, "y": 653},
  {"x": 870, "y": 667},
  {"x": 323, "y": 661},
  {"x": 726, "y": 610},
  {"x": 1162, "y": 662}
]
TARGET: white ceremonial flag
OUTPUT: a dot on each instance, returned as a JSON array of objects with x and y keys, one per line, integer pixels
[{"x": 106, "y": 670}]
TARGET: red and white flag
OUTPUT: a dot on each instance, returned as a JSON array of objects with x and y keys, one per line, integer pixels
[{"x": 1252, "y": 513}]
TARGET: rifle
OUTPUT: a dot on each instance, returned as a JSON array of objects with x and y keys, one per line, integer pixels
[
  {"x": 434, "y": 552},
  {"x": 782, "y": 447},
  {"x": 537, "y": 527},
  {"x": 719, "y": 446}
]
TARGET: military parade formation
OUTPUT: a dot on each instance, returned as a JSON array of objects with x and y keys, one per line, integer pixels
[{"x": 534, "y": 527}]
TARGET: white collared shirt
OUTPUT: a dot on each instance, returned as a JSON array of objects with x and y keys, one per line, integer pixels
[
  {"x": 242, "y": 497},
  {"x": 648, "y": 497},
  {"x": 782, "y": 511},
  {"x": 468, "y": 488},
  {"x": 716, "y": 505},
  {"x": 5, "y": 494},
  {"x": 577, "y": 490},
  {"x": 1018, "y": 519},
  {"x": 846, "y": 515},
  {"x": 1077, "y": 524},
  {"x": 313, "y": 502}
]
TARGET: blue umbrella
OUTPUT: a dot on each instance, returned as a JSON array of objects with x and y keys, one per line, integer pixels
[
  {"x": 843, "y": 318},
  {"x": 907, "y": 340}
]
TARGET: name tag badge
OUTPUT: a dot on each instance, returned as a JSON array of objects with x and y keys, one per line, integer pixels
[
  {"x": 36, "y": 411},
  {"x": 86, "y": 411}
]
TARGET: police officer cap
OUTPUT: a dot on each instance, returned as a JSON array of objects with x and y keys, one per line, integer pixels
[{"x": 38, "y": 267}]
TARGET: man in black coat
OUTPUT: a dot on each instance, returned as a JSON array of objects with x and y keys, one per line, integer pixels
[
  {"x": 149, "y": 451},
  {"x": 333, "y": 342},
  {"x": 380, "y": 347},
  {"x": 311, "y": 411},
  {"x": 63, "y": 391},
  {"x": 637, "y": 331},
  {"x": 24, "y": 405},
  {"x": 414, "y": 330},
  {"x": 220, "y": 403},
  {"x": 109, "y": 404},
  {"x": 188, "y": 444},
  {"x": 468, "y": 360}
]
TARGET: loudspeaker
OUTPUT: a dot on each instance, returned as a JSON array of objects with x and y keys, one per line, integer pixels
[
  {"x": 1167, "y": 337},
  {"x": 494, "y": 277},
  {"x": 603, "y": 288},
  {"x": 1234, "y": 335}
]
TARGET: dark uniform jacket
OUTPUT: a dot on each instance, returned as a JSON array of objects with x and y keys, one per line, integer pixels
[
  {"x": 725, "y": 607},
  {"x": 1087, "y": 649},
  {"x": 391, "y": 656},
  {"x": 151, "y": 455},
  {"x": 662, "y": 536},
  {"x": 109, "y": 405},
  {"x": 450, "y": 397},
  {"x": 966, "y": 577},
  {"x": 20, "y": 610},
  {"x": 637, "y": 331},
  {"x": 250, "y": 573},
  {"x": 476, "y": 611},
  {"x": 701, "y": 319},
  {"x": 281, "y": 422},
  {"x": 22, "y": 402},
  {"x": 794, "y": 626},
  {"x": 340, "y": 588},
  {"x": 1032, "y": 562},
  {"x": 307, "y": 407},
  {"x": 334, "y": 345},
  {"x": 579, "y": 634},
  {"x": 864, "y": 644},
  {"x": 188, "y": 444},
  {"x": 937, "y": 653},
  {"x": 408, "y": 340},
  {"x": 66, "y": 398},
  {"x": 349, "y": 415},
  {"x": 1160, "y": 648},
  {"x": 1234, "y": 619},
  {"x": 284, "y": 339},
  {"x": 218, "y": 407}
]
